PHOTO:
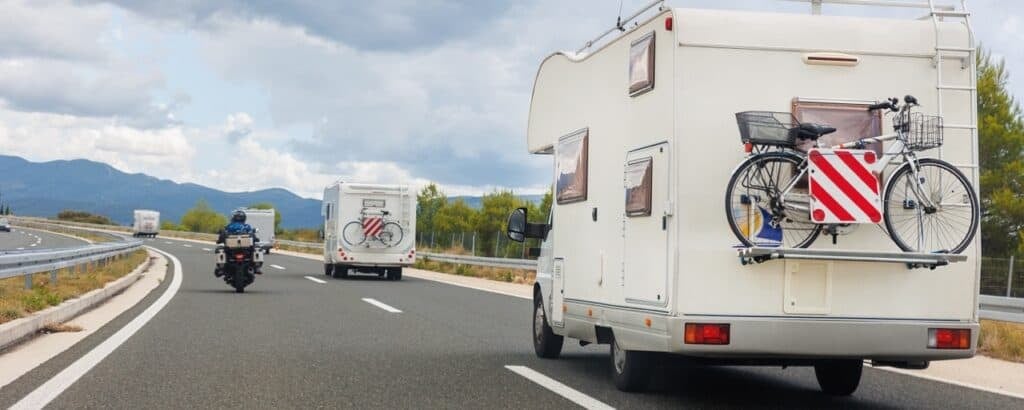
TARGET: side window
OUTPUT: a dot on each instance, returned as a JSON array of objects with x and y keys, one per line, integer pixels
[
  {"x": 852, "y": 121},
  {"x": 641, "y": 65},
  {"x": 571, "y": 167},
  {"x": 639, "y": 182}
]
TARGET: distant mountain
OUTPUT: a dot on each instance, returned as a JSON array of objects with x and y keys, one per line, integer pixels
[{"x": 45, "y": 188}]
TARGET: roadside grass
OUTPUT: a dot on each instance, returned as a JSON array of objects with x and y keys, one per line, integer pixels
[
  {"x": 17, "y": 302},
  {"x": 521, "y": 276},
  {"x": 1002, "y": 340}
]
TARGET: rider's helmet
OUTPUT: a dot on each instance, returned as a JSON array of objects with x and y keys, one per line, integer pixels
[{"x": 238, "y": 216}]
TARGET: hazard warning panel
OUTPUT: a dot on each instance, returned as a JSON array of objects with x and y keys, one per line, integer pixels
[{"x": 842, "y": 186}]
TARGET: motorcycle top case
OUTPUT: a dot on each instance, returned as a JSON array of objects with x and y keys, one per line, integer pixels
[{"x": 238, "y": 241}]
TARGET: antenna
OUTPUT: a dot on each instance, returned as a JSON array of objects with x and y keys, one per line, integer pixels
[{"x": 620, "y": 23}]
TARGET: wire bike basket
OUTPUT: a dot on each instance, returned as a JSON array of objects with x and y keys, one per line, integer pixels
[
  {"x": 767, "y": 128},
  {"x": 923, "y": 132}
]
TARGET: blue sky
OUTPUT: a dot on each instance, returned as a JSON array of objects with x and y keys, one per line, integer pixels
[{"x": 247, "y": 95}]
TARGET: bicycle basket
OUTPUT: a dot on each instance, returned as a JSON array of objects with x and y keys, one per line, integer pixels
[
  {"x": 767, "y": 128},
  {"x": 923, "y": 132}
]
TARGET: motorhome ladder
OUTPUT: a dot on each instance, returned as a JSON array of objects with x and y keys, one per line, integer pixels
[
  {"x": 403, "y": 195},
  {"x": 967, "y": 62}
]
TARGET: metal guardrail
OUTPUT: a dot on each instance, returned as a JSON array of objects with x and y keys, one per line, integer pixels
[
  {"x": 1001, "y": 308},
  {"x": 482, "y": 260},
  {"x": 27, "y": 263},
  {"x": 299, "y": 244}
]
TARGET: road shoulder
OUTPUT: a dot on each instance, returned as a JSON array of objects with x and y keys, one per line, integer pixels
[{"x": 22, "y": 358}]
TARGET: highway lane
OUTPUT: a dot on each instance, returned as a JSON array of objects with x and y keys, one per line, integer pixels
[
  {"x": 290, "y": 341},
  {"x": 29, "y": 239}
]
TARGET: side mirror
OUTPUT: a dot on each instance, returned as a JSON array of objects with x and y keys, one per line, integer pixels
[{"x": 516, "y": 227}]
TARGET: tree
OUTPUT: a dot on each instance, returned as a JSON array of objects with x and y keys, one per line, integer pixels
[
  {"x": 277, "y": 215},
  {"x": 202, "y": 218},
  {"x": 1001, "y": 155},
  {"x": 84, "y": 217},
  {"x": 490, "y": 220},
  {"x": 428, "y": 202},
  {"x": 454, "y": 217}
]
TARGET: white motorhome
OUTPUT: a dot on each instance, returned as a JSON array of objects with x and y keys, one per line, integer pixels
[
  {"x": 640, "y": 255},
  {"x": 146, "y": 223},
  {"x": 368, "y": 228},
  {"x": 263, "y": 221}
]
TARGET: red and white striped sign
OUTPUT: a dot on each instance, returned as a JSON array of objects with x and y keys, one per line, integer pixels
[
  {"x": 372, "y": 225},
  {"x": 843, "y": 189}
]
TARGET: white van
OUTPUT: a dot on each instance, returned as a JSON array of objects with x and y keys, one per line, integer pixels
[
  {"x": 640, "y": 255},
  {"x": 368, "y": 228},
  {"x": 263, "y": 221},
  {"x": 146, "y": 223}
]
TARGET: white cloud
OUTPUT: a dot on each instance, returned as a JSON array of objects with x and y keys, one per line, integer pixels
[{"x": 237, "y": 126}]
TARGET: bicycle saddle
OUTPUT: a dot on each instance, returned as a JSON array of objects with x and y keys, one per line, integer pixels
[{"x": 812, "y": 131}]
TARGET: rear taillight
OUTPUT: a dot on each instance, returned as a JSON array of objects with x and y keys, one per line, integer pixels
[
  {"x": 949, "y": 338},
  {"x": 707, "y": 334},
  {"x": 239, "y": 256}
]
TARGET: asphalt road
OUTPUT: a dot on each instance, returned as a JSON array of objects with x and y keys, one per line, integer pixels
[
  {"x": 292, "y": 342},
  {"x": 21, "y": 239}
]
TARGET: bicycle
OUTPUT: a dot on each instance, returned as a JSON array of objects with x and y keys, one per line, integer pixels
[
  {"x": 774, "y": 198},
  {"x": 373, "y": 226}
]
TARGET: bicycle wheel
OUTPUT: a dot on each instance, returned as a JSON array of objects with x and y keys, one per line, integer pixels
[
  {"x": 391, "y": 234},
  {"x": 752, "y": 203},
  {"x": 353, "y": 233},
  {"x": 949, "y": 227}
]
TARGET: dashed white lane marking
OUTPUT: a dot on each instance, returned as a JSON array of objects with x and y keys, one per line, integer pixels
[
  {"x": 207, "y": 249},
  {"x": 34, "y": 244},
  {"x": 277, "y": 267},
  {"x": 558, "y": 388},
  {"x": 169, "y": 242},
  {"x": 21, "y": 249},
  {"x": 316, "y": 280},
  {"x": 377, "y": 303},
  {"x": 186, "y": 245},
  {"x": 48, "y": 391}
]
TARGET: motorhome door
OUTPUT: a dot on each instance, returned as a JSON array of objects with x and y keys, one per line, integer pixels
[{"x": 645, "y": 225}]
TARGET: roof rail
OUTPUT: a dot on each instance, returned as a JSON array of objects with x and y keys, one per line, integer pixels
[
  {"x": 620, "y": 25},
  {"x": 816, "y": 4}
]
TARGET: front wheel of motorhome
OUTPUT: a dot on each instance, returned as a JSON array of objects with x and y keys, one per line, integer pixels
[
  {"x": 839, "y": 377},
  {"x": 546, "y": 343},
  {"x": 631, "y": 369}
]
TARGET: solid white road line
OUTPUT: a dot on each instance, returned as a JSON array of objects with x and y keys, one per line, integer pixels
[
  {"x": 377, "y": 303},
  {"x": 569, "y": 393},
  {"x": 315, "y": 280},
  {"x": 277, "y": 267},
  {"x": 48, "y": 391},
  {"x": 918, "y": 374}
]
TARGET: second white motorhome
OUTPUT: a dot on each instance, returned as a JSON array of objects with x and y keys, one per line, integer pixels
[
  {"x": 263, "y": 221},
  {"x": 368, "y": 228},
  {"x": 640, "y": 256},
  {"x": 146, "y": 223}
]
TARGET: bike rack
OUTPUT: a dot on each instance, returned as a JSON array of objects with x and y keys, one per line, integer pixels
[{"x": 911, "y": 259}]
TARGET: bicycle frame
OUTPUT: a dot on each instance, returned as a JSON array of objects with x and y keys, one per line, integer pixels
[{"x": 897, "y": 149}]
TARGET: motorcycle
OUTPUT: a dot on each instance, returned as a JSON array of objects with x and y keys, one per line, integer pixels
[{"x": 239, "y": 260}]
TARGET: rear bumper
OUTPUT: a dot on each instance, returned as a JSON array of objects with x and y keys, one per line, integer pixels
[
  {"x": 378, "y": 260},
  {"x": 812, "y": 338}
]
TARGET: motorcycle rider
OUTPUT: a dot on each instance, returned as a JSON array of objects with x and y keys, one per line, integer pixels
[{"x": 237, "y": 226}]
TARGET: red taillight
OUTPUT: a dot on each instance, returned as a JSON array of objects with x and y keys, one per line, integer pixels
[
  {"x": 748, "y": 148},
  {"x": 668, "y": 23},
  {"x": 707, "y": 333},
  {"x": 949, "y": 338},
  {"x": 239, "y": 256}
]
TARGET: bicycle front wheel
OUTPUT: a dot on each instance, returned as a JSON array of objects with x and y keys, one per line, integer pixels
[
  {"x": 353, "y": 233},
  {"x": 754, "y": 208},
  {"x": 915, "y": 226}
]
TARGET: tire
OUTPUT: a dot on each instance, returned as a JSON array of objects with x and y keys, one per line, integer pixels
[
  {"x": 239, "y": 289},
  {"x": 839, "y": 377},
  {"x": 329, "y": 269},
  {"x": 394, "y": 274},
  {"x": 340, "y": 272},
  {"x": 391, "y": 234},
  {"x": 955, "y": 223},
  {"x": 797, "y": 230},
  {"x": 353, "y": 233},
  {"x": 546, "y": 344},
  {"x": 631, "y": 369}
]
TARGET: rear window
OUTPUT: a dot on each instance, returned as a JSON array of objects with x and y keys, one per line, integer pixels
[{"x": 852, "y": 121}]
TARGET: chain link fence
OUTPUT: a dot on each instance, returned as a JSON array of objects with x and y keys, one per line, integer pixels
[
  {"x": 494, "y": 244},
  {"x": 1002, "y": 277}
]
